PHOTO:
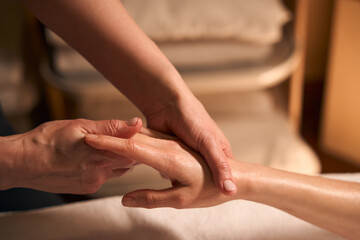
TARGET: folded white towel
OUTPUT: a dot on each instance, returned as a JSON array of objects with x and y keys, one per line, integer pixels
[
  {"x": 257, "y": 21},
  {"x": 108, "y": 219}
]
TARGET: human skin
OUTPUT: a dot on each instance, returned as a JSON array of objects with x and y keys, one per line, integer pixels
[
  {"x": 54, "y": 157},
  {"x": 330, "y": 204},
  {"x": 104, "y": 33}
]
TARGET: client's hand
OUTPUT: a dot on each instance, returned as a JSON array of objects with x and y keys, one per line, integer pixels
[
  {"x": 327, "y": 203},
  {"x": 188, "y": 172},
  {"x": 54, "y": 157}
]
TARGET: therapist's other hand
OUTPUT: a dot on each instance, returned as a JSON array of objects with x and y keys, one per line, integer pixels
[
  {"x": 192, "y": 185},
  {"x": 55, "y": 158},
  {"x": 189, "y": 121},
  {"x": 123, "y": 53}
]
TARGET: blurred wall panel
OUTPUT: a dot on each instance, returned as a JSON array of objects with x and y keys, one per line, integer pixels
[
  {"x": 317, "y": 42},
  {"x": 341, "y": 115}
]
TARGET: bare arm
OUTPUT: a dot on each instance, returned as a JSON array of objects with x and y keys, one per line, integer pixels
[
  {"x": 107, "y": 36},
  {"x": 327, "y": 203},
  {"x": 104, "y": 33},
  {"x": 330, "y": 204}
]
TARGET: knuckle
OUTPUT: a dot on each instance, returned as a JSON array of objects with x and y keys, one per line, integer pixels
[
  {"x": 228, "y": 151},
  {"x": 114, "y": 126},
  {"x": 221, "y": 170},
  {"x": 223, "y": 166},
  {"x": 205, "y": 142},
  {"x": 47, "y": 126},
  {"x": 173, "y": 157},
  {"x": 225, "y": 144},
  {"x": 44, "y": 125},
  {"x": 79, "y": 122},
  {"x": 150, "y": 201},
  {"x": 130, "y": 144},
  {"x": 215, "y": 156}
]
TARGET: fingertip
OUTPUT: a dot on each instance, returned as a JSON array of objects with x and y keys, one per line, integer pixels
[
  {"x": 140, "y": 122},
  {"x": 229, "y": 187},
  {"x": 135, "y": 126},
  {"x": 222, "y": 176},
  {"x": 132, "y": 127},
  {"x": 134, "y": 122},
  {"x": 217, "y": 159},
  {"x": 228, "y": 153},
  {"x": 129, "y": 201}
]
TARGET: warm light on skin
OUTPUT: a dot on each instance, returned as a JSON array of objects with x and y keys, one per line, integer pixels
[{"x": 327, "y": 203}]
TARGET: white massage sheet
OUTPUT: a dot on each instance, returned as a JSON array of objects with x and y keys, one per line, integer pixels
[{"x": 107, "y": 219}]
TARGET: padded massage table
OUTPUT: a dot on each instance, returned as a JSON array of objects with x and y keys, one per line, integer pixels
[{"x": 106, "y": 218}]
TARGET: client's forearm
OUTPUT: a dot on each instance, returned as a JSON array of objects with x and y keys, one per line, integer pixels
[{"x": 327, "y": 203}]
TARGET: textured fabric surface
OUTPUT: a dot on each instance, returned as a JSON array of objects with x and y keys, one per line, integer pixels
[
  {"x": 108, "y": 219},
  {"x": 257, "y": 21}
]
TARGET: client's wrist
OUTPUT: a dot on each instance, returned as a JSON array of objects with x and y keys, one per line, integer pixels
[
  {"x": 260, "y": 183},
  {"x": 247, "y": 178}
]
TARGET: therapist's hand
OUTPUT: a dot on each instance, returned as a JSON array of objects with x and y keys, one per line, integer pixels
[
  {"x": 189, "y": 121},
  {"x": 55, "y": 158},
  {"x": 188, "y": 172},
  {"x": 123, "y": 53}
]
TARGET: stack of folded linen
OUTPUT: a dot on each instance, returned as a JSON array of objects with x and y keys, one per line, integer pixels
[
  {"x": 211, "y": 32},
  {"x": 205, "y": 33},
  {"x": 257, "y": 21}
]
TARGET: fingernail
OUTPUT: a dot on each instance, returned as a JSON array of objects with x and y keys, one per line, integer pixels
[
  {"x": 132, "y": 122},
  {"x": 91, "y": 136},
  {"x": 229, "y": 186},
  {"x": 129, "y": 202}
]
